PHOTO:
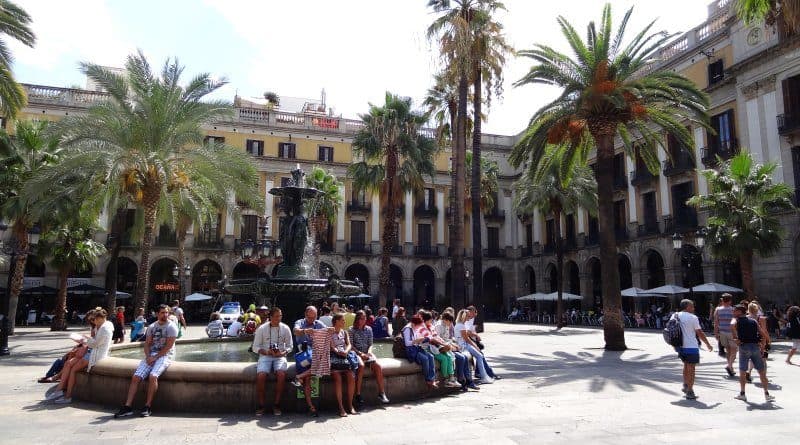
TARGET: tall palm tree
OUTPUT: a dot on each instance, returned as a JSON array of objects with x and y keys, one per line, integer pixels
[
  {"x": 395, "y": 158},
  {"x": 322, "y": 209},
  {"x": 22, "y": 157},
  {"x": 743, "y": 203},
  {"x": 605, "y": 94},
  {"x": 770, "y": 11},
  {"x": 145, "y": 143},
  {"x": 554, "y": 191},
  {"x": 488, "y": 184},
  {"x": 14, "y": 23}
]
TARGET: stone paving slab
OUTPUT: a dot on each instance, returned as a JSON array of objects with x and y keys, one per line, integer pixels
[{"x": 558, "y": 387}]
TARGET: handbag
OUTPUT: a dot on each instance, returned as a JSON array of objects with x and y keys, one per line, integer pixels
[
  {"x": 302, "y": 361},
  {"x": 339, "y": 363}
]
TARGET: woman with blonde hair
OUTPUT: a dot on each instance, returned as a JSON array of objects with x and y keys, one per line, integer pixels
[{"x": 465, "y": 343}]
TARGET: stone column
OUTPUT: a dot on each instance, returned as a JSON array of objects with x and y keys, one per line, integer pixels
[
  {"x": 375, "y": 217},
  {"x": 229, "y": 223},
  {"x": 537, "y": 226},
  {"x": 508, "y": 225},
  {"x": 773, "y": 138},
  {"x": 632, "y": 216},
  {"x": 663, "y": 187},
  {"x": 340, "y": 224},
  {"x": 440, "y": 220},
  {"x": 586, "y": 290},
  {"x": 409, "y": 223},
  {"x": 702, "y": 184}
]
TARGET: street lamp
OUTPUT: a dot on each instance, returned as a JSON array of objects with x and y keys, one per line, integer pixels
[
  {"x": 689, "y": 255},
  {"x": 251, "y": 251}
]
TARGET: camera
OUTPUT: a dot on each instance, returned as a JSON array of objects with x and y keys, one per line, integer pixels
[{"x": 274, "y": 347}]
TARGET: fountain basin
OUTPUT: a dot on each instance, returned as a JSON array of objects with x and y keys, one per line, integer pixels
[{"x": 214, "y": 387}]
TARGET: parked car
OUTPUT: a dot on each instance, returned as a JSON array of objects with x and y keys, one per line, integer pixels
[{"x": 229, "y": 312}]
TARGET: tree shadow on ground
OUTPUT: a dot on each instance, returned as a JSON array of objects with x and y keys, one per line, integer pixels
[
  {"x": 696, "y": 404},
  {"x": 539, "y": 333},
  {"x": 659, "y": 372}
]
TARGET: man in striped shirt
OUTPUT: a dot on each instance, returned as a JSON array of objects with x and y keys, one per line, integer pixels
[{"x": 723, "y": 315}]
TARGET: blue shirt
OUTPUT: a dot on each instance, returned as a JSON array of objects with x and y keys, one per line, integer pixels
[{"x": 304, "y": 324}]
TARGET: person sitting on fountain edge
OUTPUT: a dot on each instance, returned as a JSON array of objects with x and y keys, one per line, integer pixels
[
  {"x": 301, "y": 336},
  {"x": 160, "y": 349},
  {"x": 272, "y": 342}
]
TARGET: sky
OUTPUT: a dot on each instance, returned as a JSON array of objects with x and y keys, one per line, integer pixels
[{"x": 355, "y": 49}]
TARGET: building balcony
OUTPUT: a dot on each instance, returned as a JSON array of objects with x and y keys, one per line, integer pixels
[
  {"x": 494, "y": 252},
  {"x": 166, "y": 241},
  {"x": 641, "y": 176},
  {"x": 423, "y": 211},
  {"x": 684, "y": 220},
  {"x": 620, "y": 182},
  {"x": 356, "y": 206},
  {"x": 396, "y": 250},
  {"x": 788, "y": 123},
  {"x": 213, "y": 243},
  {"x": 621, "y": 233},
  {"x": 648, "y": 229},
  {"x": 495, "y": 215},
  {"x": 725, "y": 150},
  {"x": 426, "y": 251},
  {"x": 526, "y": 251},
  {"x": 359, "y": 249},
  {"x": 682, "y": 162}
]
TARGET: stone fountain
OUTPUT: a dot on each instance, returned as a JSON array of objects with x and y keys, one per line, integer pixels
[{"x": 291, "y": 287}]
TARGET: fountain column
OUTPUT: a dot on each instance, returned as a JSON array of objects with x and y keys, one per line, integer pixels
[
  {"x": 341, "y": 243},
  {"x": 409, "y": 234}
]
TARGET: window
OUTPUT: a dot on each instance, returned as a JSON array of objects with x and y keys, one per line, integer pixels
[
  {"x": 715, "y": 72},
  {"x": 796, "y": 167},
  {"x": 619, "y": 170},
  {"x": 723, "y": 142},
  {"x": 357, "y": 233},
  {"x": 649, "y": 212},
  {"x": 791, "y": 95},
  {"x": 287, "y": 150},
  {"x": 428, "y": 199},
  {"x": 255, "y": 147},
  {"x": 424, "y": 235},
  {"x": 249, "y": 227},
  {"x": 570, "y": 223},
  {"x": 325, "y": 154},
  {"x": 529, "y": 236},
  {"x": 550, "y": 232},
  {"x": 619, "y": 215},
  {"x": 360, "y": 197},
  {"x": 214, "y": 140},
  {"x": 684, "y": 215},
  {"x": 130, "y": 221},
  {"x": 493, "y": 239},
  {"x": 209, "y": 233}
]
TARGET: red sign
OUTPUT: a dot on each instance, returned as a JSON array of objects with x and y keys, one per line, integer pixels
[{"x": 167, "y": 287}]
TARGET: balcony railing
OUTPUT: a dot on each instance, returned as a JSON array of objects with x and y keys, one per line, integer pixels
[
  {"x": 788, "y": 123},
  {"x": 166, "y": 241},
  {"x": 647, "y": 229},
  {"x": 359, "y": 249},
  {"x": 684, "y": 220},
  {"x": 396, "y": 250},
  {"x": 641, "y": 176},
  {"x": 423, "y": 211},
  {"x": 211, "y": 243},
  {"x": 725, "y": 150},
  {"x": 495, "y": 215},
  {"x": 527, "y": 251},
  {"x": 680, "y": 163},
  {"x": 426, "y": 251},
  {"x": 494, "y": 252},
  {"x": 356, "y": 206},
  {"x": 620, "y": 182}
]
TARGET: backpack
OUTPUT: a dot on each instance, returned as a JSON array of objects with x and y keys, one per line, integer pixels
[
  {"x": 672, "y": 332},
  {"x": 250, "y": 327},
  {"x": 399, "y": 347}
]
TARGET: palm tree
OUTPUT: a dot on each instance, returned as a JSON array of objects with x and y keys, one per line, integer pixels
[
  {"x": 15, "y": 23},
  {"x": 145, "y": 143},
  {"x": 70, "y": 248},
  {"x": 322, "y": 209},
  {"x": 488, "y": 184},
  {"x": 743, "y": 203},
  {"x": 22, "y": 157},
  {"x": 547, "y": 187},
  {"x": 606, "y": 94},
  {"x": 395, "y": 158},
  {"x": 770, "y": 11}
]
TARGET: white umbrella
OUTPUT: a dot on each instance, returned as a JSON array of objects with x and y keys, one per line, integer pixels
[
  {"x": 533, "y": 297},
  {"x": 635, "y": 292},
  {"x": 122, "y": 295},
  {"x": 564, "y": 295},
  {"x": 715, "y": 287},
  {"x": 197, "y": 297},
  {"x": 669, "y": 289}
]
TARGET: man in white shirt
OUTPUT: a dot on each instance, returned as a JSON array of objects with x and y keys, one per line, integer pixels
[
  {"x": 689, "y": 353},
  {"x": 272, "y": 341},
  {"x": 395, "y": 307},
  {"x": 235, "y": 327}
]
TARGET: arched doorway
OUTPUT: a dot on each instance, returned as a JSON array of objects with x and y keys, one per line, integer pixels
[
  {"x": 164, "y": 286},
  {"x": 244, "y": 270},
  {"x": 126, "y": 275},
  {"x": 530, "y": 280},
  {"x": 493, "y": 293},
  {"x": 424, "y": 287},
  {"x": 572, "y": 278},
  {"x": 596, "y": 287},
  {"x": 552, "y": 277},
  {"x": 360, "y": 272},
  {"x": 205, "y": 276},
  {"x": 625, "y": 275},
  {"x": 655, "y": 270},
  {"x": 395, "y": 283}
]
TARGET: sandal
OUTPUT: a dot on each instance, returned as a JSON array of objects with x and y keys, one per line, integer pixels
[
  {"x": 45, "y": 380},
  {"x": 276, "y": 410},
  {"x": 260, "y": 411},
  {"x": 342, "y": 414},
  {"x": 313, "y": 412}
]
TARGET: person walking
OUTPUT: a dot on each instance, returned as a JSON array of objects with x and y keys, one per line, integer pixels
[
  {"x": 689, "y": 352},
  {"x": 723, "y": 315},
  {"x": 750, "y": 336},
  {"x": 793, "y": 330}
]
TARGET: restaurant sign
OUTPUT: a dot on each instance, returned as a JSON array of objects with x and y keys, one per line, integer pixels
[{"x": 167, "y": 287}]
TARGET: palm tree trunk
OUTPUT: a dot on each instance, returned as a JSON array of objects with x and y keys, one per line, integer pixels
[
  {"x": 117, "y": 227},
  {"x": 143, "y": 278},
  {"x": 475, "y": 194},
  {"x": 746, "y": 267},
  {"x": 458, "y": 274},
  {"x": 180, "y": 239},
  {"x": 20, "y": 233},
  {"x": 613, "y": 327},
  {"x": 559, "y": 268},
  {"x": 389, "y": 236},
  {"x": 59, "y": 322}
]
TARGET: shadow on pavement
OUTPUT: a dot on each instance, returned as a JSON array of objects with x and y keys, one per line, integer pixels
[{"x": 696, "y": 404}]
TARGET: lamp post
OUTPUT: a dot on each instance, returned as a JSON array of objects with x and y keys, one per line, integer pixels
[
  {"x": 12, "y": 249},
  {"x": 187, "y": 272},
  {"x": 689, "y": 255},
  {"x": 259, "y": 251}
]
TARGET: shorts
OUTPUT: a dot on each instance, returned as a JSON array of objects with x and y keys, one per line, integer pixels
[
  {"x": 748, "y": 352},
  {"x": 726, "y": 340},
  {"x": 796, "y": 343},
  {"x": 155, "y": 370},
  {"x": 267, "y": 364},
  {"x": 689, "y": 355}
]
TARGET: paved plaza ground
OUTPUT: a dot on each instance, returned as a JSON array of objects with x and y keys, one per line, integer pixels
[{"x": 559, "y": 387}]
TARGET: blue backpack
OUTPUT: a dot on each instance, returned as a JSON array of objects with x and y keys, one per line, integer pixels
[{"x": 672, "y": 332}]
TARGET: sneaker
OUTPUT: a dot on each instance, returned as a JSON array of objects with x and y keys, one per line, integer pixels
[
  {"x": 741, "y": 397},
  {"x": 497, "y": 377},
  {"x": 296, "y": 383},
  {"x": 690, "y": 395},
  {"x": 57, "y": 394},
  {"x": 382, "y": 397},
  {"x": 145, "y": 412},
  {"x": 472, "y": 385},
  {"x": 730, "y": 372},
  {"x": 125, "y": 411},
  {"x": 685, "y": 388},
  {"x": 769, "y": 397},
  {"x": 486, "y": 380},
  {"x": 63, "y": 400}
]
